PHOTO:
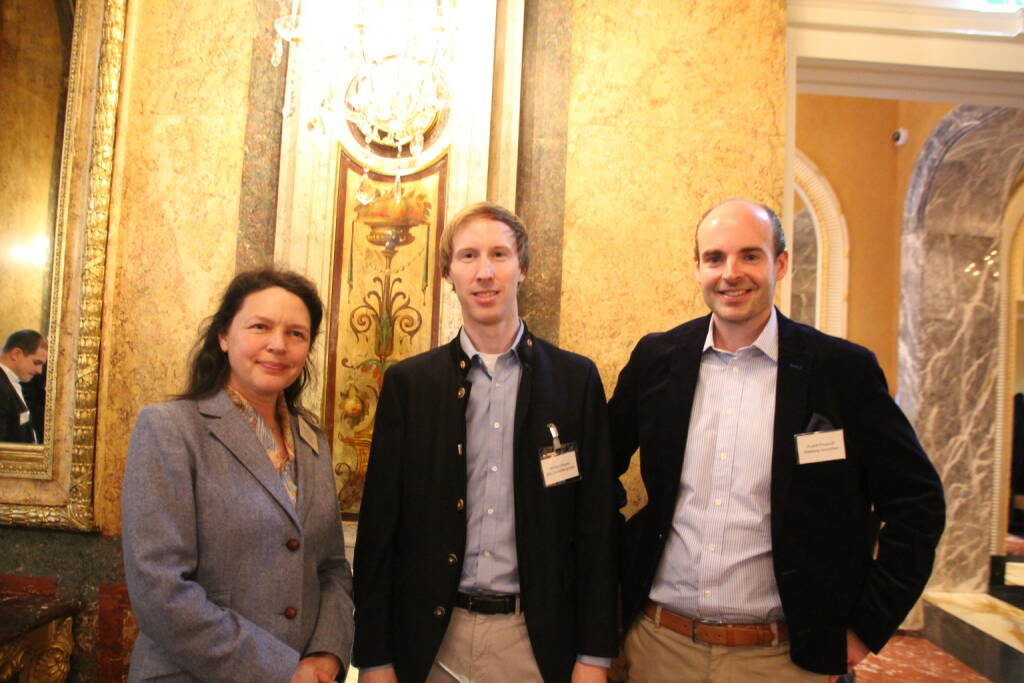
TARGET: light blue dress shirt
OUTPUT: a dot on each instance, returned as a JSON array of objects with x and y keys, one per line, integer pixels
[
  {"x": 717, "y": 562},
  {"x": 490, "y": 564}
]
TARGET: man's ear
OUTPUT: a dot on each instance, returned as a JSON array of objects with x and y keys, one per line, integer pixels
[{"x": 781, "y": 265}]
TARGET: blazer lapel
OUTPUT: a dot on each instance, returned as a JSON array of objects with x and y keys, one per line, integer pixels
[
  {"x": 305, "y": 461},
  {"x": 792, "y": 386},
  {"x": 229, "y": 427},
  {"x": 675, "y": 409}
]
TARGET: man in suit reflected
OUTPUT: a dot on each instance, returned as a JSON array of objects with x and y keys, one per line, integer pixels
[
  {"x": 769, "y": 452},
  {"x": 23, "y": 357}
]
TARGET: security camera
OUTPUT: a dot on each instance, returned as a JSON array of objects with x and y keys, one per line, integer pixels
[{"x": 900, "y": 136}]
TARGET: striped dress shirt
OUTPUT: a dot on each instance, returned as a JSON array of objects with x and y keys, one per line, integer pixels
[{"x": 717, "y": 562}]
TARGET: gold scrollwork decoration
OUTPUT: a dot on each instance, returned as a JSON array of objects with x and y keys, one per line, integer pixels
[{"x": 42, "y": 656}]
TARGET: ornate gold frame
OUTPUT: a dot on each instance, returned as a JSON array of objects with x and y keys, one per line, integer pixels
[{"x": 79, "y": 273}]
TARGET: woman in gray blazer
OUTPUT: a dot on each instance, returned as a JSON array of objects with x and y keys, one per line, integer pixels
[{"x": 233, "y": 548}]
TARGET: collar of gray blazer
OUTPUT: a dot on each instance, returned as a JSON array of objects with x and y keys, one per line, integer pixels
[{"x": 227, "y": 425}]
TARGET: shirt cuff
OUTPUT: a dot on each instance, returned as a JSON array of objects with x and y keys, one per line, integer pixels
[{"x": 605, "y": 662}]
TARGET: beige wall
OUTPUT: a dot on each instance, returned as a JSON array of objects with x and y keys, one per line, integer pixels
[
  {"x": 174, "y": 219},
  {"x": 673, "y": 107},
  {"x": 31, "y": 99},
  {"x": 849, "y": 140}
]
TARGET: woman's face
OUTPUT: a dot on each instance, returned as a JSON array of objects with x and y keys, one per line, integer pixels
[{"x": 267, "y": 343}]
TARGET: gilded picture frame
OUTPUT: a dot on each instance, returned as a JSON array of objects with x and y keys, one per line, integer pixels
[{"x": 51, "y": 485}]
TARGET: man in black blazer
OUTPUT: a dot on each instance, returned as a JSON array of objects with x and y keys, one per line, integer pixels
[
  {"x": 485, "y": 546},
  {"x": 22, "y": 358},
  {"x": 770, "y": 452}
]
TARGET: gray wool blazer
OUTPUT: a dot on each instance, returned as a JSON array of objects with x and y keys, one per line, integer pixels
[{"x": 229, "y": 581}]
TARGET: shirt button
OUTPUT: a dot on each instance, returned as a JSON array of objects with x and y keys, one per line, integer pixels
[
  {"x": 292, "y": 544},
  {"x": 460, "y": 505},
  {"x": 487, "y": 553},
  {"x": 711, "y": 547},
  {"x": 718, "y": 501},
  {"x": 728, "y": 411},
  {"x": 494, "y": 468},
  {"x": 497, "y": 384},
  {"x": 290, "y": 613},
  {"x": 490, "y": 511},
  {"x": 439, "y": 611},
  {"x": 735, "y": 369},
  {"x": 497, "y": 425},
  {"x": 707, "y": 593},
  {"x": 452, "y": 558},
  {"x": 461, "y": 392},
  {"x": 722, "y": 455}
]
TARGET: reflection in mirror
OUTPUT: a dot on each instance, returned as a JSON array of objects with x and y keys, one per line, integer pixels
[
  {"x": 70, "y": 165},
  {"x": 804, "y": 260},
  {"x": 35, "y": 59}
]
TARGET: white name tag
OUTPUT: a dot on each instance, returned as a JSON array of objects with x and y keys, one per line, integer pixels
[
  {"x": 308, "y": 434},
  {"x": 820, "y": 447},
  {"x": 559, "y": 465}
]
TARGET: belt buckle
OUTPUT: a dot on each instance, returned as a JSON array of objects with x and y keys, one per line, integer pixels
[{"x": 695, "y": 622}]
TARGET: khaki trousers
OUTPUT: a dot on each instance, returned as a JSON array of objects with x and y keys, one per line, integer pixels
[
  {"x": 660, "y": 655},
  {"x": 485, "y": 648}
]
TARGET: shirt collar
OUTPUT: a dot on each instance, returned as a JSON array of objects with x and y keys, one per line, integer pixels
[
  {"x": 767, "y": 342},
  {"x": 470, "y": 350}
]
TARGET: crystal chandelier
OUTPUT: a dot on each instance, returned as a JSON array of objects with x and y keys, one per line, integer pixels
[{"x": 379, "y": 67}]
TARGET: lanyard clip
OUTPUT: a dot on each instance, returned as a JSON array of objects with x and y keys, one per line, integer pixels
[{"x": 554, "y": 435}]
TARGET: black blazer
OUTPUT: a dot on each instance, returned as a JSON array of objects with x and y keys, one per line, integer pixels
[
  {"x": 412, "y": 526},
  {"x": 11, "y": 408},
  {"x": 822, "y": 525}
]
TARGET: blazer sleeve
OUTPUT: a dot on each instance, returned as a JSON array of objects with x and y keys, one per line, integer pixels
[
  {"x": 379, "y": 517},
  {"x": 160, "y": 554},
  {"x": 334, "y": 626},
  {"x": 622, "y": 414},
  {"x": 596, "y": 519},
  {"x": 907, "y": 496}
]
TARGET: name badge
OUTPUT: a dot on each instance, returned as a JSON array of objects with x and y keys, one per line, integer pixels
[
  {"x": 558, "y": 462},
  {"x": 820, "y": 447},
  {"x": 308, "y": 434}
]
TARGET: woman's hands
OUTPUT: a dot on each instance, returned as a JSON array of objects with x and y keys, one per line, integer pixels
[{"x": 322, "y": 667}]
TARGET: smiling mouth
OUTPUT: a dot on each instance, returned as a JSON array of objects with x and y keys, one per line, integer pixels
[
  {"x": 486, "y": 294},
  {"x": 734, "y": 293},
  {"x": 273, "y": 367}
]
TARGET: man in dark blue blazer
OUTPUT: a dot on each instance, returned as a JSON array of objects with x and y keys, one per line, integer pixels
[
  {"x": 485, "y": 547},
  {"x": 770, "y": 452},
  {"x": 23, "y": 356}
]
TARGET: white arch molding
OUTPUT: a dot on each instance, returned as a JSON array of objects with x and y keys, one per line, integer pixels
[{"x": 833, "y": 267}]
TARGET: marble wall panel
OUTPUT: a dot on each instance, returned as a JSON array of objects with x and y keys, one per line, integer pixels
[
  {"x": 950, "y": 311},
  {"x": 175, "y": 207},
  {"x": 804, "y": 269},
  {"x": 673, "y": 107}
]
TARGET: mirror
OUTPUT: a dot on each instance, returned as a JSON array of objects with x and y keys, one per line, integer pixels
[
  {"x": 60, "y": 66},
  {"x": 35, "y": 60}
]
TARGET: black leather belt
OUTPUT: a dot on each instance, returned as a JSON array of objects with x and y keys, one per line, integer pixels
[{"x": 488, "y": 604}]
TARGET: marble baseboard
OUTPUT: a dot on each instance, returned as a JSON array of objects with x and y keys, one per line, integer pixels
[{"x": 983, "y": 632}]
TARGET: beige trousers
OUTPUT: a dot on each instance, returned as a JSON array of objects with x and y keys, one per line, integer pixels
[
  {"x": 660, "y": 655},
  {"x": 485, "y": 648}
]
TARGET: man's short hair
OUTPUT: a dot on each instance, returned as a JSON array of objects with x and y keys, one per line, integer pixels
[
  {"x": 483, "y": 210},
  {"x": 28, "y": 341},
  {"x": 778, "y": 235}
]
